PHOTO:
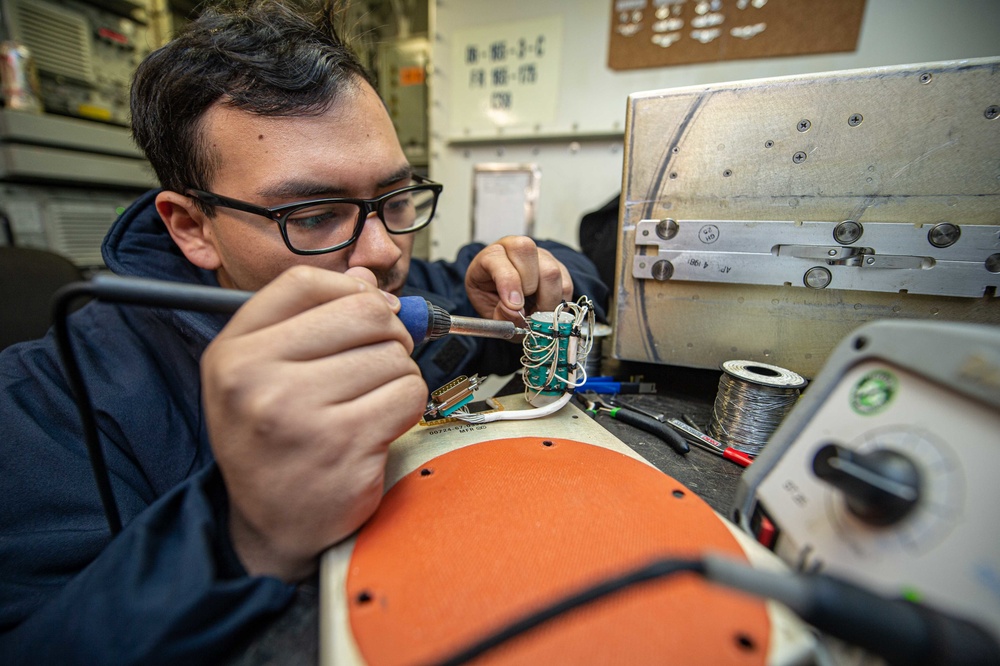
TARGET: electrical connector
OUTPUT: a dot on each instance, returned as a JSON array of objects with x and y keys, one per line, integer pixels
[{"x": 451, "y": 397}]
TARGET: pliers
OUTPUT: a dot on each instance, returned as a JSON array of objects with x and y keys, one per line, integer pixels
[{"x": 594, "y": 404}]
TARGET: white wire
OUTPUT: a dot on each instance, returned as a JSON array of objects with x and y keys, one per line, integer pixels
[
  {"x": 517, "y": 414},
  {"x": 542, "y": 349}
]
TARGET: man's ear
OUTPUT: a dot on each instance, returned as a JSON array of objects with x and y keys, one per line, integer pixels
[{"x": 190, "y": 228}]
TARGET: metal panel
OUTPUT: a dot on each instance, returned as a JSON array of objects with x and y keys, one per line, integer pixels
[
  {"x": 17, "y": 127},
  {"x": 69, "y": 220},
  {"x": 58, "y": 38},
  {"x": 55, "y": 165},
  {"x": 910, "y": 146}
]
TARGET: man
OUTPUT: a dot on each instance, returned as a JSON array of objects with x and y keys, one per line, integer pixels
[{"x": 231, "y": 486}]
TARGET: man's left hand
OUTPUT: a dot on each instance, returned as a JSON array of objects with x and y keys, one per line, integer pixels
[{"x": 513, "y": 276}]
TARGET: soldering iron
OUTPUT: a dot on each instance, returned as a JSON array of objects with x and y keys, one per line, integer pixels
[{"x": 423, "y": 320}]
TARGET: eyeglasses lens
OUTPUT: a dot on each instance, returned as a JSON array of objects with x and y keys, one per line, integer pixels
[{"x": 331, "y": 224}]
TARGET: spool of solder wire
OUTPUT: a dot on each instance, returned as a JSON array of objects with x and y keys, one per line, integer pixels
[{"x": 752, "y": 401}]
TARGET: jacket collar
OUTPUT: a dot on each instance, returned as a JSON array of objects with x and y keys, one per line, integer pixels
[{"x": 138, "y": 245}]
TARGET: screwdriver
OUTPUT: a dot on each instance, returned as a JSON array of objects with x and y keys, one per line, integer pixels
[{"x": 423, "y": 320}]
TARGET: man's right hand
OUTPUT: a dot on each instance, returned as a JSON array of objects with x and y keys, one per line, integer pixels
[{"x": 304, "y": 390}]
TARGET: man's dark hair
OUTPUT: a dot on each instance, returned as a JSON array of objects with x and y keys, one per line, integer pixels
[{"x": 267, "y": 57}]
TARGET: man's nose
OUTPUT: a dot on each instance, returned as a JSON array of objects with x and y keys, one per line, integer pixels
[{"x": 374, "y": 247}]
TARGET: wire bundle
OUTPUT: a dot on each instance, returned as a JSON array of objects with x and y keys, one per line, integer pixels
[
  {"x": 556, "y": 350},
  {"x": 752, "y": 401},
  {"x": 553, "y": 360}
]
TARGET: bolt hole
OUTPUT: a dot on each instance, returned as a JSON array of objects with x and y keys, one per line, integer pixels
[
  {"x": 745, "y": 642},
  {"x": 860, "y": 342},
  {"x": 547, "y": 443},
  {"x": 363, "y": 597},
  {"x": 426, "y": 471},
  {"x": 678, "y": 494},
  {"x": 673, "y": 175}
]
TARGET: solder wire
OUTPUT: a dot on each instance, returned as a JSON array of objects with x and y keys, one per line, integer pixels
[{"x": 747, "y": 412}]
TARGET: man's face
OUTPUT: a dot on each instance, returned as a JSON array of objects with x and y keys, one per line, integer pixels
[{"x": 350, "y": 150}]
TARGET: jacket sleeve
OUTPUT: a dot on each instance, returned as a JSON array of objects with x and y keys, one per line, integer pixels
[{"x": 169, "y": 587}]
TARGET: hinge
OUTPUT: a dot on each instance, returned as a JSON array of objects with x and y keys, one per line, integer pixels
[{"x": 942, "y": 259}]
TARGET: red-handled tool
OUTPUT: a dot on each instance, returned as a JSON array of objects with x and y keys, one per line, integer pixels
[{"x": 712, "y": 445}]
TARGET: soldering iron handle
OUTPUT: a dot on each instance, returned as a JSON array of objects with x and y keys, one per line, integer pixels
[{"x": 652, "y": 426}]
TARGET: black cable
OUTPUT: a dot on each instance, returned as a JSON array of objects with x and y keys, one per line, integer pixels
[
  {"x": 135, "y": 291},
  {"x": 651, "y": 571},
  {"x": 901, "y": 632},
  {"x": 60, "y": 317}
]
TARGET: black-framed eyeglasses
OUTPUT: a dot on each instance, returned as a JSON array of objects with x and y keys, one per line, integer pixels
[{"x": 325, "y": 225}]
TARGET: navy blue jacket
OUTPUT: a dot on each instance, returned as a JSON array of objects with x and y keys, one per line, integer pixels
[{"x": 169, "y": 588}]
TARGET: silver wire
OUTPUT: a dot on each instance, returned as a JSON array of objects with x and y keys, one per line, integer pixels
[{"x": 746, "y": 414}]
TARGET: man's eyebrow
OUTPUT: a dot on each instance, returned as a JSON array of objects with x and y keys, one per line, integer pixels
[
  {"x": 404, "y": 172},
  {"x": 308, "y": 189}
]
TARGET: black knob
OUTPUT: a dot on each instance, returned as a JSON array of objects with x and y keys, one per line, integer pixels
[{"x": 880, "y": 487}]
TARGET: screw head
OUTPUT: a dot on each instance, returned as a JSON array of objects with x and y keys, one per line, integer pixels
[
  {"x": 926, "y": 77},
  {"x": 847, "y": 232},
  {"x": 803, "y": 125},
  {"x": 855, "y": 119},
  {"x": 817, "y": 277},
  {"x": 768, "y": 143},
  {"x": 992, "y": 112},
  {"x": 727, "y": 173},
  {"x": 945, "y": 234},
  {"x": 799, "y": 157},
  {"x": 667, "y": 229},
  {"x": 663, "y": 270}
]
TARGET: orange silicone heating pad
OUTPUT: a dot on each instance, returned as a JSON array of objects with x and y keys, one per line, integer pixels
[{"x": 479, "y": 537}]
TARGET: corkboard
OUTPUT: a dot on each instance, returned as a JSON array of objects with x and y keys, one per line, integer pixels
[{"x": 663, "y": 33}]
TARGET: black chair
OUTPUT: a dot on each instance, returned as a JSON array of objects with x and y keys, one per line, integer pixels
[{"x": 28, "y": 279}]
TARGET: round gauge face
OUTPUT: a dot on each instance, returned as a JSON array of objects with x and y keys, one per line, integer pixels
[{"x": 942, "y": 495}]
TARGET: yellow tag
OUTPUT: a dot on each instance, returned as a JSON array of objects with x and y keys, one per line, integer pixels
[{"x": 95, "y": 112}]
